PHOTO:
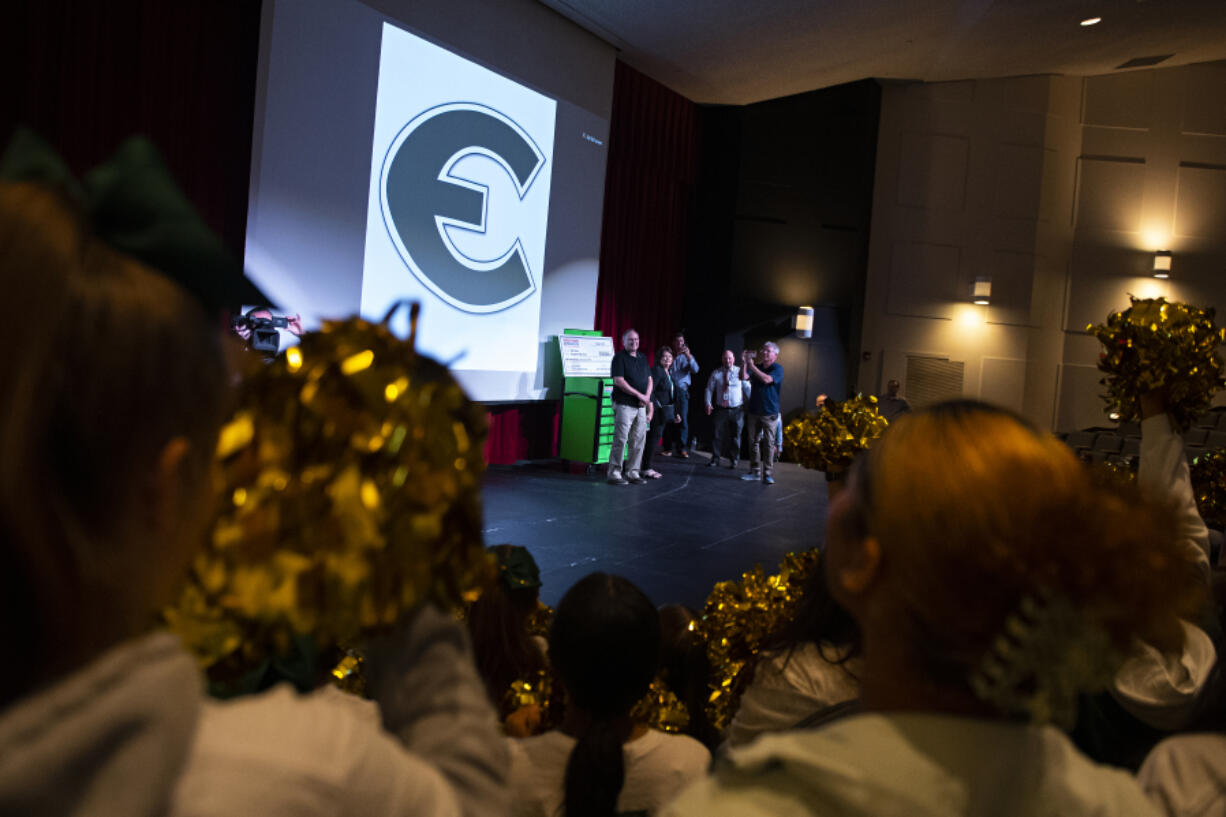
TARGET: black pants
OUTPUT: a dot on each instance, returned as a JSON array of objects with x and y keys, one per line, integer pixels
[
  {"x": 728, "y": 423},
  {"x": 658, "y": 421}
]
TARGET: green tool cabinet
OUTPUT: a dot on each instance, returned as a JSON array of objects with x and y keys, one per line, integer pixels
[{"x": 587, "y": 416}]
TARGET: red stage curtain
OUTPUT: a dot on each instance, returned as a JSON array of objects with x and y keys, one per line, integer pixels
[
  {"x": 87, "y": 75},
  {"x": 648, "y": 200}
]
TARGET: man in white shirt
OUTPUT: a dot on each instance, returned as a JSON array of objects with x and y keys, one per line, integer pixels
[{"x": 726, "y": 395}]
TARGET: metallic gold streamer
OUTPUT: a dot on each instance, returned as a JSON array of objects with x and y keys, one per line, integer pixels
[
  {"x": 348, "y": 493},
  {"x": 1209, "y": 487},
  {"x": 736, "y": 618},
  {"x": 1156, "y": 344},
  {"x": 830, "y": 438}
]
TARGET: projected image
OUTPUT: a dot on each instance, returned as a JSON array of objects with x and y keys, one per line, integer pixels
[
  {"x": 430, "y": 162},
  {"x": 459, "y": 204}
]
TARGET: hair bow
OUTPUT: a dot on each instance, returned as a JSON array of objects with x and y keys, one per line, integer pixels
[{"x": 134, "y": 205}]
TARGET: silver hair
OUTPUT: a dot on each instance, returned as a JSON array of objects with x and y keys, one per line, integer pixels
[
  {"x": 770, "y": 344},
  {"x": 627, "y": 334}
]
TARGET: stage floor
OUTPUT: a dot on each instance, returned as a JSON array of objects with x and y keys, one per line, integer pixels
[{"x": 674, "y": 537}]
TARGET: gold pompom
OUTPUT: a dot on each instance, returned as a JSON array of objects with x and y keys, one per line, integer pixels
[
  {"x": 1209, "y": 486},
  {"x": 737, "y": 617},
  {"x": 347, "y": 493},
  {"x": 830, "y": 438},
  {"x": 661, "y": 709},
  {"x": 1154, "y": 345}
]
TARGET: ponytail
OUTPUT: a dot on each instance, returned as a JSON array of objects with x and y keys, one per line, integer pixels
[
  {"x": 595, "y": 772},
  {"x": 604, "y": 644}
]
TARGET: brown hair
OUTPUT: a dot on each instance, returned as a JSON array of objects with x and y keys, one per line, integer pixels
[
  {"x": 105, "y": 362},
  {"x": 975, "y": 511}
]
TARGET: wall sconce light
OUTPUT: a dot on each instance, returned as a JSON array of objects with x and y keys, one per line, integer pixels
[
  {"x": 981, "y": 294},
  {"x": 1162, "y": 264},
  {"x": 803, "y": 322}
]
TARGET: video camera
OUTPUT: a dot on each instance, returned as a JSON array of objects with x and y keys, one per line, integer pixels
[{"x": 264, "y": 335}]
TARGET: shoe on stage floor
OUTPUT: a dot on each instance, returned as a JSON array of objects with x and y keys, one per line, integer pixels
[
  {"x": 750, "y": 477},
  {"x": 683, "y": 454},
  {"x": 618, "y": 480},
  {"x": 768, "y": 480},
  {"x": 714, "y": 462},
  {"x": 636, "y": 480},
  {"x": 732, "y": 465},
  {"x": 666, "y": 453}
]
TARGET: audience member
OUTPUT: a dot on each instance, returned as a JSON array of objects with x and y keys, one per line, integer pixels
[
  {"x": 115, "y": 389},
  {"x": 664, "y": 395},
  {"x": 684, "y": 367},
  {"x": 726, "y": 394},
  {"x": 686, "y": 670},
  {"x": 991, "y": 578},
  {"x": 806, "y": 673},
  {"x": 767, "y": 376},
  {"x": 505, "y": 650},
  {"x": 604, "y": 645},
  {"x": 890, "y": 405},
  {"x": 632, "y": 411}
]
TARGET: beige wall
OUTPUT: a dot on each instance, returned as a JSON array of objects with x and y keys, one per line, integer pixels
[{"x": 1058, "y": 188}]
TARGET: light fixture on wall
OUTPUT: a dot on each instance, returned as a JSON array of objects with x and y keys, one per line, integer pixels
[
  {"x": 1091, "y": 21},
  {"x": 981, "y": 293},
  {"x": 1162, "y": 264},
  {"x": 803, "y": 322}
]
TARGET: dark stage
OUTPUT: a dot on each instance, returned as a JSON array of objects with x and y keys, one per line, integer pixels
[{"x": 674, "y": 537}]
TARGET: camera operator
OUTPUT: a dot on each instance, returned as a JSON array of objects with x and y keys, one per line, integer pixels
[{"x": 258, "y": 328}]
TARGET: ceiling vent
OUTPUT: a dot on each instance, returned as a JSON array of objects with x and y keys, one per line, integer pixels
[{"x": 1144, "y": 62}]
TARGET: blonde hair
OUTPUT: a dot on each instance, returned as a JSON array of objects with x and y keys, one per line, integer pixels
[
  {"x": 105, "y": 362},
  {"x": 976, "y": 512}
]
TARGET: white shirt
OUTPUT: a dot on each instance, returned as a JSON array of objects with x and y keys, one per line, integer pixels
[
  {"x": 726, "y": 389},
  {"x": 914, "y": 765},
  {"x": 786, "y": 689},
  {"x": 1185, "y": 776},
  {"x": 1164, "y": 475},
  {"x": 658, "y": 766},
  {"x": 280, "y": 754}
]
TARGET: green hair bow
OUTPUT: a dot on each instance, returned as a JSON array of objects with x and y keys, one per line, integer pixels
[{"x": 135, "y": 206}]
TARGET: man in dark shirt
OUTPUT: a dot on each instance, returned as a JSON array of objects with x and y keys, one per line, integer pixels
[
  {"x": 767, "y": 377},
  {"x": 631, "y": 411}
]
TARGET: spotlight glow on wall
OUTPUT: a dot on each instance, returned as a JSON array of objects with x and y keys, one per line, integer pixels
[
  {"x": 981, "y": 293},
  {"x": 803, "y": 322},
  {"x": 1162, "y": 264}
]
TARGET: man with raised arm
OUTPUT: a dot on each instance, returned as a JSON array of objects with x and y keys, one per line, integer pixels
[
  {"x": 766, "y": 376},
  {"x": 683, "y": 368}
]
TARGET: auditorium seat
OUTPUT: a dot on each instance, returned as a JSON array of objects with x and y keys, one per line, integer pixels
[
  {"x": 1195, "y": 436},
  {"x": 1108, "y": 442},
  {"x": 1080, "y": 441},
  {"x": 1207, "y": 420}
]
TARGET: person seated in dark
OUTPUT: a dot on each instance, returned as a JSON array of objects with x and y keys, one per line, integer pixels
[
  {"x": 605, "y": 646},
  {"x": 890, "y": 405},
  {"x": 808, "y": 671},
  {"x": 686, "y": 670},
  {"x": 504, "y": 647}
]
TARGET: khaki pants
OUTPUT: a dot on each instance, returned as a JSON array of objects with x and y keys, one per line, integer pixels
[
  {"x": 629, "y": 426},
  {"x": 762, "y": 432}
]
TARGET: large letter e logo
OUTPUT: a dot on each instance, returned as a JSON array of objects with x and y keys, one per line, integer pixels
[{"x": 421, "y": 198}]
